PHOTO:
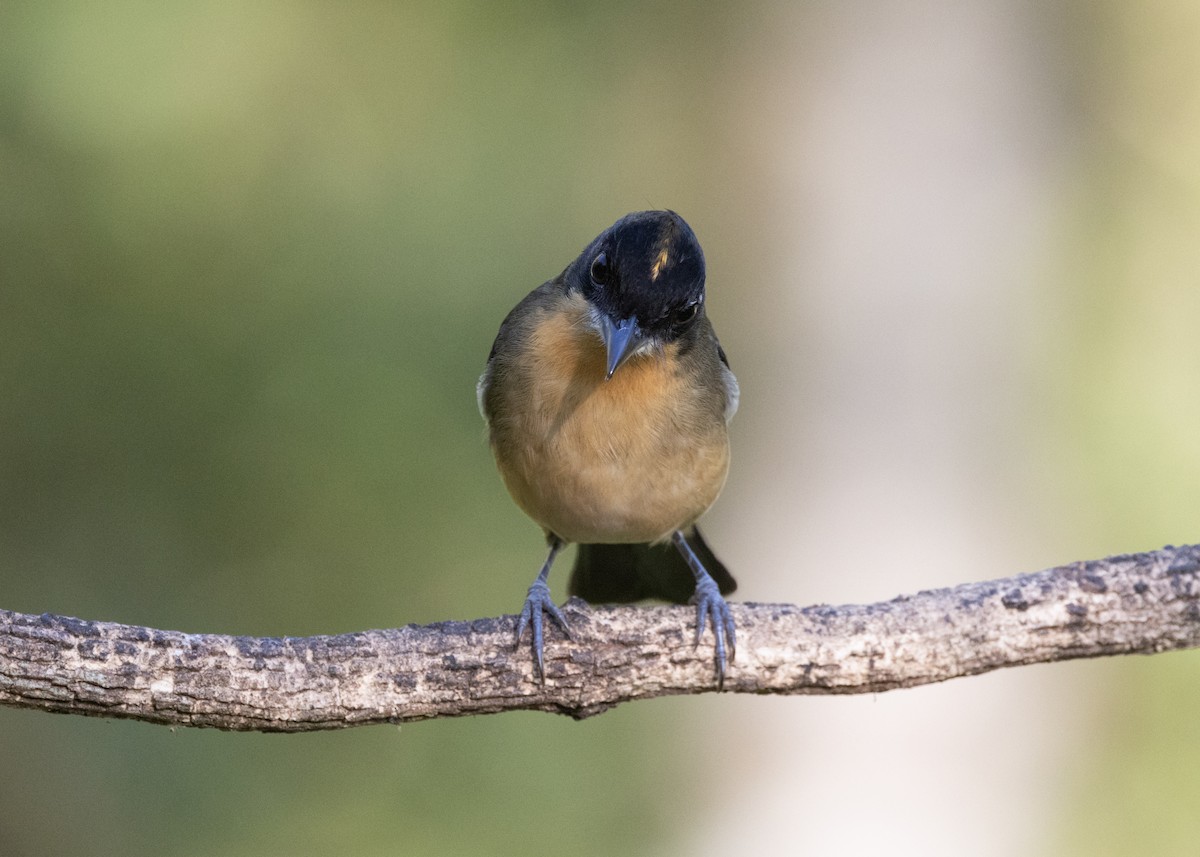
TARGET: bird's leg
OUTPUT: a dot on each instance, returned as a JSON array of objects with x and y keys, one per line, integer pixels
[
  {"x": 709, "y": 604},
  {"x": 538, "y": 601}
]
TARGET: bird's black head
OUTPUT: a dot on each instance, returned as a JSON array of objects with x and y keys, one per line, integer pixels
[{"x": 644, "y": 280}]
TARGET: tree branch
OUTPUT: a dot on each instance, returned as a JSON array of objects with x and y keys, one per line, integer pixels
[{"x": 1141, "y": 603}]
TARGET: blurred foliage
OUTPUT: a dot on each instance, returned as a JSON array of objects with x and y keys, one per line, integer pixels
[{"x": 1128, "y": 383}]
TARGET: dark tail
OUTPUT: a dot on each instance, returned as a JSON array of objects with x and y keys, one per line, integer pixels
[{"x": 619, "y": 573}]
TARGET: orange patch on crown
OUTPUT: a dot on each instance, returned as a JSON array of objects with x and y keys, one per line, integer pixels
[{"x": 659, "y": 264}]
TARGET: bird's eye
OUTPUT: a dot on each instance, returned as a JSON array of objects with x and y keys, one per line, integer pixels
[
  {"x": 684, "y": 316},
  {"x": 600, "y": 270}
]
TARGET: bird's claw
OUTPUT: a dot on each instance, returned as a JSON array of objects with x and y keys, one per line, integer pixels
[
  {"x": 710, "y": 604},
  {"x": 537, "y": 602}
]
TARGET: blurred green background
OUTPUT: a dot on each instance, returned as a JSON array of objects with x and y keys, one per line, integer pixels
[{"x": 252, "y": 258}]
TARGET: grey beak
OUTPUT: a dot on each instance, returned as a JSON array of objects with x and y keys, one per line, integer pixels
[{"x": 621, "y": 339}]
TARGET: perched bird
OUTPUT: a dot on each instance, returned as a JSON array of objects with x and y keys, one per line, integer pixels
[{"x": 607, "y": 398}]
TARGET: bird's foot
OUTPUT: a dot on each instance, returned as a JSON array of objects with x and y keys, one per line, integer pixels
[
  {"x": 537, "y": 602},
  {"x": 710, "y": 605}
]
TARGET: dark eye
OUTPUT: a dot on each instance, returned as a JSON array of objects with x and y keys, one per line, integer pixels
[
  {"x": 600, "y": 270},
  {"x": 684, "y": 316}
]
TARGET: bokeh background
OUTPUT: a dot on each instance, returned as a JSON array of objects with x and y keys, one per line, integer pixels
[{"x": 252, "y": 257}]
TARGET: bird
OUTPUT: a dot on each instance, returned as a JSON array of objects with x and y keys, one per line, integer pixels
[{"x": 607, "y": 399}]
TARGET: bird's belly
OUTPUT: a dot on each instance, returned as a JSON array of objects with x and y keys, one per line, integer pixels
[{"x": 614, "y": 464}]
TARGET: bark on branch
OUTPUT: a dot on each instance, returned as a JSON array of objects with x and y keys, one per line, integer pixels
[{"x": 1140, "y": 603}]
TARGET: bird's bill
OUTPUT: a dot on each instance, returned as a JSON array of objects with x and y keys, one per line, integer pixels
[{"x": 621, "y": 339}]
